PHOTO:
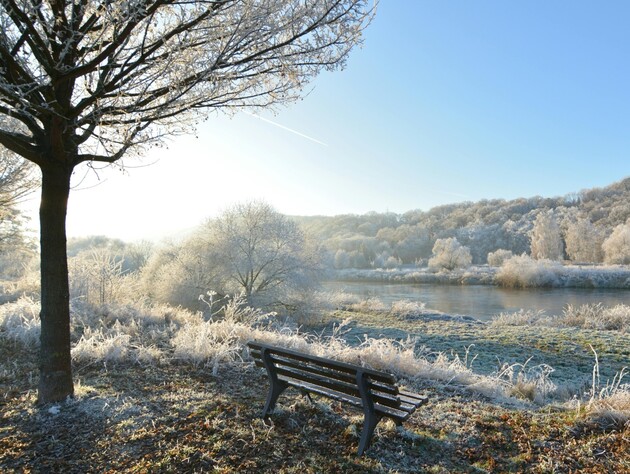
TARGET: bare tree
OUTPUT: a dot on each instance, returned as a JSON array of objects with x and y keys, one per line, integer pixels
[
  {"x": 17, "y": 180},
  {"x": 546, "y": 239},
  {"x": 584, "y": 241},
  {"x": 257, "y": 251},
  {"x": 95, "y": 80},
  {"x": 617, "y": 246},
  {"x": 449, "y": 254}
]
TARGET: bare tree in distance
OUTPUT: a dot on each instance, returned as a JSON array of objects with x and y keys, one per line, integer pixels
[
  {"x": 18, "y": 179},
  {"x": 617, "y": 246},
  {"x": 257, "y": 250},
  {"x": 449, "y": 254},
  {"x": 93, "y": 81},
  {"x": 546, "y": 238}
]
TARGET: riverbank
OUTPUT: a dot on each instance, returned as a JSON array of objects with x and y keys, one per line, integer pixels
[
  {"x": 160, "y": 389},
  {"x": 135, "y": 418},
  {"x": 556, "y": 276},
  {"x": 560, "y": 359}
]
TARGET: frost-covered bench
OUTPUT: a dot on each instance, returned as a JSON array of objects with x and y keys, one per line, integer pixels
[{"x": 371, "y": 390}]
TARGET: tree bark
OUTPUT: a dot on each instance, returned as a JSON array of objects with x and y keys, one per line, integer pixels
[{"x": 55, "y": 382}]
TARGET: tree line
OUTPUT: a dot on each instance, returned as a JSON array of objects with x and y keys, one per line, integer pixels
[{"x": 574, "y": 227}]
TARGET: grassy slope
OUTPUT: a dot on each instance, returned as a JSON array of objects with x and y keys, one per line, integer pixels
[
  {"x": 178, "y": 418},
  {"x": 567, "y": 350}
]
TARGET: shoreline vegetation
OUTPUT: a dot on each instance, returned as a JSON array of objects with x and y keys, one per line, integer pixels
[
  {"x": 533, "y": 274},
  {"x": 173, "y": 390}
]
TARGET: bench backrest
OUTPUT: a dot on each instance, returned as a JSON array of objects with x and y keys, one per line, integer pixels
[{"x": 338, "y": 377}]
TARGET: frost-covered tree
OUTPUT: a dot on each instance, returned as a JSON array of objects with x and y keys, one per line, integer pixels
[
  {"x": 93, "y": 81},
  {"x": 257, "y": 251},
  {"x": 584, "y": 241},
  {"x": 178, "y": 274},
  {"x": 449, "y": 254},
  {"x": 617, "y": 246},
  {"x": 341, "y": 259},
  {"x": 499, "y": 256},
  {"x": 17, "y": 180},
  {"x": 546, "y": 238}
]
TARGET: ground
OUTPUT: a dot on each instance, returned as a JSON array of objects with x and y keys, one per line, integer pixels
[
  {"x": 180, "y": 418},
  {"x": 569, "y": 351}
]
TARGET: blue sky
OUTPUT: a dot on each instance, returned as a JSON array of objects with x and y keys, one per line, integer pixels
[{"x": 446, "y": 102}]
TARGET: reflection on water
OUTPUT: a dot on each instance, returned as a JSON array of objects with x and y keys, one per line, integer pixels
[{"x": 483, "y": 302}]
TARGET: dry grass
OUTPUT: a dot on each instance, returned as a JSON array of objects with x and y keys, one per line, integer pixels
[
  {"x": 136, "y": 418},
  {"x": 586, "y": 316},
  {"x": 165, "y": 390},
  {"x": 597, "y": 316}
]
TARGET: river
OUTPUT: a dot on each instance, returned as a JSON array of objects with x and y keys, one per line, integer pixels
[{"x": 482, "y": 302}]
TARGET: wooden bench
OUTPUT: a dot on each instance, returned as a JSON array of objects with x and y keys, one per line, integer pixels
[{"x": 371, "y": 390}]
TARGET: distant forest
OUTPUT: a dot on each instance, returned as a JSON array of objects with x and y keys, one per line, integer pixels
[{"x": 382, "y": 240}]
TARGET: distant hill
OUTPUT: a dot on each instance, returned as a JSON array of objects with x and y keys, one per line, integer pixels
[{"x": 374, "y": 239}]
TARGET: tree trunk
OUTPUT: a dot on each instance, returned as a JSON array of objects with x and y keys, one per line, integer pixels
[{"x": 55, "y": 382}]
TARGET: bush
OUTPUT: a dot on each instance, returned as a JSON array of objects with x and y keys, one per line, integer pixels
[
  {"x": 523, "y": 317},
  {"x": 617, "y": 246},
  {"x": 524, "y": 272},
  {"x": 20, "y": 321},
  {"x": 499, "y": 256},
  {"x": 449, "y": 254},
  {"x": 597, "y": 316}
]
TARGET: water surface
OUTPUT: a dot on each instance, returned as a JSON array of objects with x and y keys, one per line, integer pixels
[{"x": 483, "y": 302}]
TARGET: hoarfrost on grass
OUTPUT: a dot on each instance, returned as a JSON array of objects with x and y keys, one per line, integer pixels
[
  {"x": 20, "y": 321},
  {"x": 149, "y": 335},
  {"x": 586, "y": 316}
]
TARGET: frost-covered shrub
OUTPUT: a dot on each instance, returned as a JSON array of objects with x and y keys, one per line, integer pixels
[
  {"x": 499, "y": 256},
  {"x": 546, "y": 241},
  {"x": 617, "y": 246},
  {"x": 332, "y": 300},
  {"x": 405, "y": 308},
  {"x": 586, "y": 316},
  {"x": 385, "y": 260},
  {"x": 531, "y": 383},
  {"x": 27, "y": 285},
  {"x": 584, "y": 241},
  {"x": 341, "y": 259},
  {"x": 449, "y": 254},
  {"x": 522, "y": 271},
  {"x": 523, "y": 317},
  {"x": 98, "y": 345},
  {"x": 369, "y": 305},
  {"x": 99, "y": 278},
  {"x": 597, "y": 316},
  {"x": 211, "y": 343},
  {"x": 20, "y": 321}
]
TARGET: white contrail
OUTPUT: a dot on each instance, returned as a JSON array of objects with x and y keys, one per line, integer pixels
[{"x": 286, "y": 128}]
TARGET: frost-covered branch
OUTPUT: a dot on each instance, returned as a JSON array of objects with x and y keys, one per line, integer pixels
[{"x": 104, "y": 68}]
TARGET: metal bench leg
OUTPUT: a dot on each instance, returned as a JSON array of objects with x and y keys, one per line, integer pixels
[
  {"x": 307, "y": 395},
  {"x": 371, "y": 419},
  {"x": 272, "y": 397},
  {"x": 277, "y": 386},
  {"x": 370, "y": 422}
]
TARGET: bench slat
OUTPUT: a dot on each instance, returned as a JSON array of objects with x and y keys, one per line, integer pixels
[
  {"x": 328, "y": 363},
  {"x": 412, "y": 398},
  {"x": 336, "y": 385},
  {"x": 326, "y": 372},
  {"x": 381, "y": 409}
]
